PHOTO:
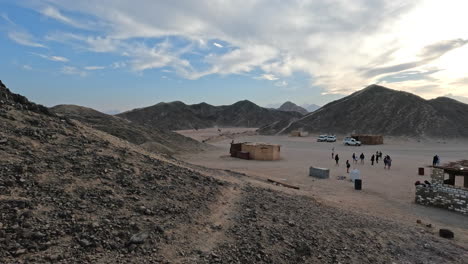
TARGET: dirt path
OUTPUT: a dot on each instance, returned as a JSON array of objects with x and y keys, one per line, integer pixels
[{"x": 206, "y": 232}]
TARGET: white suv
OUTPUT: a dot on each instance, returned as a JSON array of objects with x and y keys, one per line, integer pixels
[
  {"x": 322, "y": 138},
  {"x": 349, "y": 141},
  {"x": 331, "y": 139}
]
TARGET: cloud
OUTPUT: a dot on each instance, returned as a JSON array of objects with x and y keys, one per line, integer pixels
[
  {"x": 428, "y": 54},
  {"x": 408, "y": 75},
  {"x": 52, "y": 58},
  {"x": 94, "y": 68},
  {"x": 438, "y": 49},
  {"x": 25, "y": 39},
  {"x": 118, "y": 65},
  {"x": 217, "y": 45},
  {"x": 341, "y": 47},
  {"x": 27, "y": 67},
  {"x": 70, "y": 70},
  {"x": 281, "y": 84},
  {"x": 269, "y": 77}
]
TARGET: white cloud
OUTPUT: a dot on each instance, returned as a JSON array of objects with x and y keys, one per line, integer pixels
[
  {"x": 25, "y": 39},
  {"x": 52, "y": 58},
  {"x": 70, "y": 70},
  {"x": 329, "y": 41},
  {"x": 217, "y": 45},
  {"x": 94, "y": 68},
  {"x": 266, "y": 76}
]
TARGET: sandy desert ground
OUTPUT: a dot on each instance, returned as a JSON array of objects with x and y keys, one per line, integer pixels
[{"x": 385, "y": 193}]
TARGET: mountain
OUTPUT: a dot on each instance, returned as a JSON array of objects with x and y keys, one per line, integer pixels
[
  {"x": 152, "y": 139},
  {"x": 179, "y": 116},
  {"x": 311, "y": 107},
  {"x": 73, "y": 194},
  {"x": 379, "y": 110},
  {"x": 291, "y": 107}
]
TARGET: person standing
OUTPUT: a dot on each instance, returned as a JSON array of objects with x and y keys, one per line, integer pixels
[
  {"x": 362, "y": 158},
  {"x": 337, "y": 159},
  {"x": 377, "y": 157},
  {"x": 354, "y": 158},
  {"x": 372, "y": 160},
  {"x": 389, "y": 162},
  {"x": 434, "y": 161},
  {"x": 385, "y": 162},
  {"x": 347, "y": 166}
]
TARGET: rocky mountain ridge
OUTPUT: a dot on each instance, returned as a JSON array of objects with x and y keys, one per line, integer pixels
[
  {"x": 379, "y": 110},
  {"x": 179, "y": 116}
]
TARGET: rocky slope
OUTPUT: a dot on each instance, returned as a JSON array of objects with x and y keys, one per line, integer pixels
[
  {"x": 179, "y": 116},
  {"x": 292, "y": 107},
  {"x": 73, "y": 194},
  {"x": 152, "y": 139},
  {"x": 379, "y": 110}
]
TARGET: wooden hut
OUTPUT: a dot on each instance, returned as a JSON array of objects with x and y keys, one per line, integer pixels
[
  {"x": 262, "y": 151},
  {"x": 369, "y": 139}
]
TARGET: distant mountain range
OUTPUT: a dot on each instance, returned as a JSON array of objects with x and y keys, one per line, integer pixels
[
  {"x": 152, "y": 139},
  {"x": 379, "y": 110},
  {"x": 311, "y": 107},
  {"x": 291, "y": 107},
  {"x": 179, "y": 116}
]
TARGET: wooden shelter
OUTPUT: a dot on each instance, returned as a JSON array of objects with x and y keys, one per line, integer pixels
[
  {"x": 255, "y": 151},
  {"x": 369, "y": 139}
]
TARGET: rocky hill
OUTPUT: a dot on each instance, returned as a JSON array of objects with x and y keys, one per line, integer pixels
[
  {"x": 179, "y": 116},
  {"x": 292, "y": 107},
  {"x": 152, "y": 139},
  {"x": 72, "y": 194},
  {"x": 310, "y": 107},
  {"x": 379, "y": 110}
]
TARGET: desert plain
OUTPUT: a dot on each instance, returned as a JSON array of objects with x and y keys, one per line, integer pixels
[{"x": 389, "y": 194}]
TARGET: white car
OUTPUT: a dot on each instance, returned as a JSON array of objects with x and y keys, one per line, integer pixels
[
  {"x": 322, "y": 138},
  {"x": 349, "y": 141},
  {"x": 331, "y": 139}
]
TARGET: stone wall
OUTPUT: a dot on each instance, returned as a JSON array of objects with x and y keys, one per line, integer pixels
[{"x": 442, "y": 195}]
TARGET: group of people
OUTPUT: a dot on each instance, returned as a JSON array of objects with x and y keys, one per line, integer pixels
[{"x": 374, "y": 158}]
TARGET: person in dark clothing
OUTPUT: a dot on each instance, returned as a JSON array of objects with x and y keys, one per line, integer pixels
[
  {"x": 389, "y": 162},
  {"x": 372, "y": 160},
  {"x": 347, "y": 166},
  {"x": 362, "y": 157},
  {"x": 385, "y": 162},
  {"x": 354, "y": 158},
  {"x": 435, "y": 161},
  {"x": 337, "y": 159}
]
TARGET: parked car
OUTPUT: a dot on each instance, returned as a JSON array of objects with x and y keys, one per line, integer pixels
[
  {"x": 349, "y": 141},
  {"x": 322, "y": 138},
  {"x": 331, "y": 139}
]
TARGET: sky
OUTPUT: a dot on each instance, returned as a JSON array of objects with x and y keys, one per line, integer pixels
[{"x": 116, "y": 55}]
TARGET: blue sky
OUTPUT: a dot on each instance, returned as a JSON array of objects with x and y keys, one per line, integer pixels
[{"x": 112, "y": 55}]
